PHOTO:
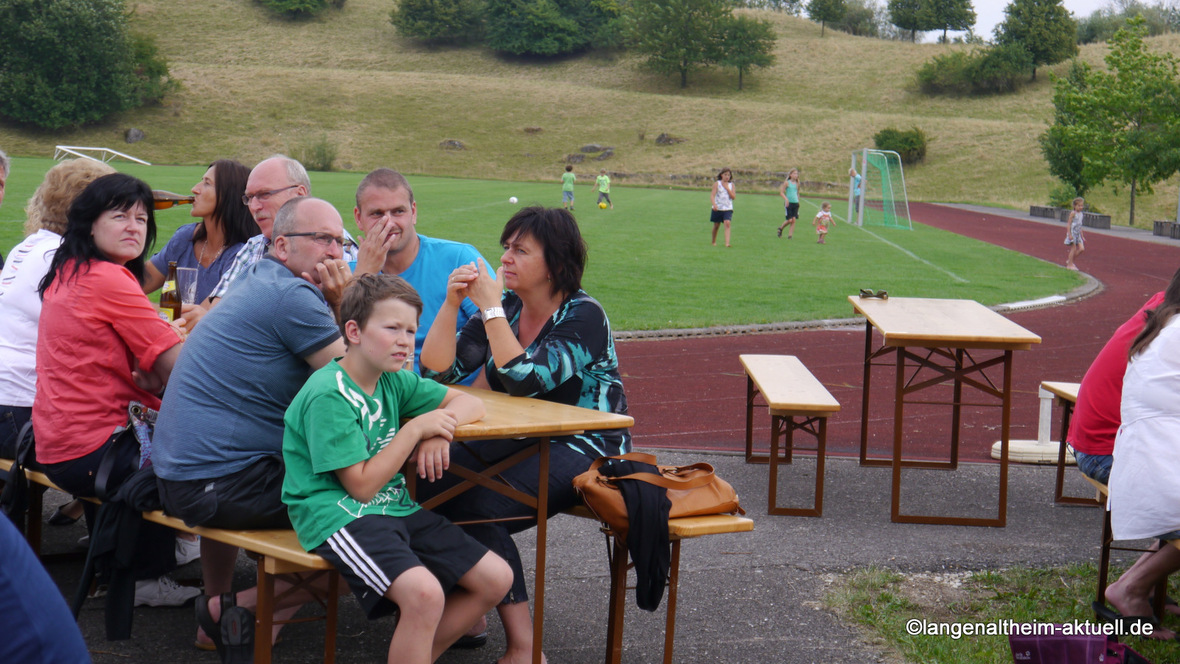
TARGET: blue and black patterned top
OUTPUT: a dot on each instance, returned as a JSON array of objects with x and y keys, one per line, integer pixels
[{"x": 572, "y": 361}]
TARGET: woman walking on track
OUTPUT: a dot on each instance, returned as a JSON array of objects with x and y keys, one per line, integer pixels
[
  {"x": 722, "y": 198},
  {"x": 790, "y": 193},
  {"x": 1073, "y": 236}
]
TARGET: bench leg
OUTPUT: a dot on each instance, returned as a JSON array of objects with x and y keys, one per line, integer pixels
[
  {"x": 751, "y": 393},
  {"x": 330, "y": 623},
  {"x": 673, "y": 586},
  {"x": 1059, "y": 488},
  {"x": 618, "y": 601},
  {"x": 1104, "y": 556},
  {"x": 818, "y": 427},
  {"x": 264, "y": 614}
]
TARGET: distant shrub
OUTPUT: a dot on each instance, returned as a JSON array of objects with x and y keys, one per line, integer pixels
[
  {"x": 317, "y": 154},
  {"x": 300, "y": 8},
  {"x": 1061, "y": 195},
  {"x": 451, "y": 21},
  {"x": 550, "y": 27},
  {"x": 994, "y": 70},
  {"x": 911, "y": 145}
]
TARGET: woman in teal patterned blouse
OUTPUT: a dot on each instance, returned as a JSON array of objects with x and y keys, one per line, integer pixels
[{"x": 540, "y": 336}]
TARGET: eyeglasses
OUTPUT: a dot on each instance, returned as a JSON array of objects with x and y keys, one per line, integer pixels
[
  {"x": 870, "y": 293},
  {"x": 323, "y": 239},
  {"x": 264, "y": 196}
]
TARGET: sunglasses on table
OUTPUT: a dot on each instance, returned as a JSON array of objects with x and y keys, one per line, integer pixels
[{"x": 866, "y": 293}]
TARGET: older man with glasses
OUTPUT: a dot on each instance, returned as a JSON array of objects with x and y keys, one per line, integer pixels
[
  {"x": 217, "y": 448},
  {"x": 273, "y": 182}
]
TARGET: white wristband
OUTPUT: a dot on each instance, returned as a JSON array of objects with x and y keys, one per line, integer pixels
[{"x": 492, "y": 312}]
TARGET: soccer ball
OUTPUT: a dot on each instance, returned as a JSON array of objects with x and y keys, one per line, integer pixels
[
  {"x": 512, "y": 199},
  {"x": 602, "y": 206}
]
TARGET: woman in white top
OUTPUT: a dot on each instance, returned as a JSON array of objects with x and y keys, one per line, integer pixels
[
  {"x": 20, "y": 305},
  {"x": 1144, "y": 492},
  {"x": 722, "y": 198}
]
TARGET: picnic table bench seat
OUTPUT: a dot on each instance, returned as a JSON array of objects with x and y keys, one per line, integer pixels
[{"x": 790, "y": 391}]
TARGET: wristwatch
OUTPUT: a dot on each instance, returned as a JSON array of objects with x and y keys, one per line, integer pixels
[{"x": 492, "y": 312}]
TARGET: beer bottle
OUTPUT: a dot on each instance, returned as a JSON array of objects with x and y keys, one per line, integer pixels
[
  {"x": 170, "y": 296},
  {"x": 167, "y": 199}
]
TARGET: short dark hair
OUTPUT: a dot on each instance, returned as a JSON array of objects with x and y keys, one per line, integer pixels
[
  {"x": 117, "y": 191},
  {"x": 229, "y": 184},
  {"x": 385, "y": 178},
  {"x": 557, "y": 232},
  {"x": 569, "y": 167},
  {"x": 367, "y": 290}
]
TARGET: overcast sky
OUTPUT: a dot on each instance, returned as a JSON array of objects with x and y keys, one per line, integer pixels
[{"x": 989, "y": 13}]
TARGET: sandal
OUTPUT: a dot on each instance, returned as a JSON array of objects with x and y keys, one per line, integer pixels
[
  {"x": 211, "y": 628},
  {"x": 237, "y": 635}
]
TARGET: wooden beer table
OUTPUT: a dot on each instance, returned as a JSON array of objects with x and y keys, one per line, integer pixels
[
  {"x": 521, "y": 417},
  {"x": 943, "y": 338}
]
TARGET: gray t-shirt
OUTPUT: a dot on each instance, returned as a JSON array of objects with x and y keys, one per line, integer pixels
[{"x": 238, "y": 372}]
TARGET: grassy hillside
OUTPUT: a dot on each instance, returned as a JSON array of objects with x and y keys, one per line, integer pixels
[{"x": 255, "y": 84}]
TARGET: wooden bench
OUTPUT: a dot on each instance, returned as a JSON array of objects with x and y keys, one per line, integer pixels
[
  {"x": 678, "y": 530},
  {"x": 1065, "y": 395},
  {"x": 277, "y": 552},
  {"x": 789, "y": 391},
  {"x": 1161, "y": 589}
]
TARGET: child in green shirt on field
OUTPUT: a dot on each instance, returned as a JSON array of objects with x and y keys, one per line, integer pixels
[
  {"x": 602, "y": 182},
  {"x": 567, "y": 188},
  {"x": 344, "y": 446}
]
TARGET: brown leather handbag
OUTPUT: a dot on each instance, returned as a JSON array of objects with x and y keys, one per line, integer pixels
[{"x": 694, "y": 490}]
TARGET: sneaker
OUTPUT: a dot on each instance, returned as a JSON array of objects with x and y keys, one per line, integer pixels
[
  {"x": 163, "y": 592},
  {"x": 187, "y": 550},
  {"x": 780, "y": 232}
]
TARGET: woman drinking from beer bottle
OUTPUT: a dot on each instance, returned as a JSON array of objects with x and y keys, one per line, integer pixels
[{"x": 210, "y": 244}]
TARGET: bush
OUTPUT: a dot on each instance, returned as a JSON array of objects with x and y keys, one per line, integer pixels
[
  {"x": 70, "y": 62},
  {"x": 993, "y": 70},
  {"x": 911, "y": 145},
  {"x": 453, "y": 21},
  {"x": 299, "y": 8},
  {"x": 550, "y": 27},
  {"x": 317, "y": 154}
]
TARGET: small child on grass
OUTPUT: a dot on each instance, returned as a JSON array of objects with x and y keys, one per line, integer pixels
[
  {"x": 822, "y": 220},
  {"x": 567, "y": 188},
  {"x": 602, "y": 183},
  {"x": 344, "y": 446},
  {"x": 1073, "y": 235}
]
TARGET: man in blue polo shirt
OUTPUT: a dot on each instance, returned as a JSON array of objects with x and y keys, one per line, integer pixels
[
  {"x": 217, "y": 448},
  {"x": 387, "y": 214}
]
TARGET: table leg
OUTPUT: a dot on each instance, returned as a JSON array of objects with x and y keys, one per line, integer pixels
[
  {"x": 264, "y": 614},
  {"x": 542, "y": 529},
  {"x": 898, "y": 419},
  {"x": 864, "y": 397},
  {"x": 957, "y": 409},
  {"x": 1004, "y": 438}
]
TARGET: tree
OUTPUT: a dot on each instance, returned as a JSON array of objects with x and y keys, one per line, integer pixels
[
  {"x": 438, "y": 20},
  {"x": 950, "y": 15},
  {"x": 1122, "y": 122},
  {"x": 859, "y": 19},
  {"x": 677, "y": 36},
  {"x": 745, "y": 43},
  {"x": 911, "y": 15},
  {"x": 825, "y": 11},
  {"x": 1043, "y": 27},
  {"x": 1065, "y": 157},
  {"x": 70, "y": 62}
]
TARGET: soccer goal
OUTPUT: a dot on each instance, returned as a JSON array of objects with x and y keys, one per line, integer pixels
[{"x": 880, "y": 198}]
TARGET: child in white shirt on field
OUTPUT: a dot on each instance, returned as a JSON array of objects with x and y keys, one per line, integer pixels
[{"x": 822, "y": 220}]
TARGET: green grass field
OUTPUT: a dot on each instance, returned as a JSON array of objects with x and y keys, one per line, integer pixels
[{"x": 651, "y": 263}]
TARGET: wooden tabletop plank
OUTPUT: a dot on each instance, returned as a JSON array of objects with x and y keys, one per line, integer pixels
[
  {"x": 516, "y": 417},
  {"x": 787, "y": 385},
  {"x": 1067, "y": 391},
  {"x": 933, "y": 323}
]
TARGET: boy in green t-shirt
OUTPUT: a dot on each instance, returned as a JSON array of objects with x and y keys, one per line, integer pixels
[
  {"x": 567, "y": 188},
  {"x": 602, "y": 182},
  {"x": 344, "y": 445}
]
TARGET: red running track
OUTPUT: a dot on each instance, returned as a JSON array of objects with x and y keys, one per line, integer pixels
[{"x": 690, "y": 393}]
